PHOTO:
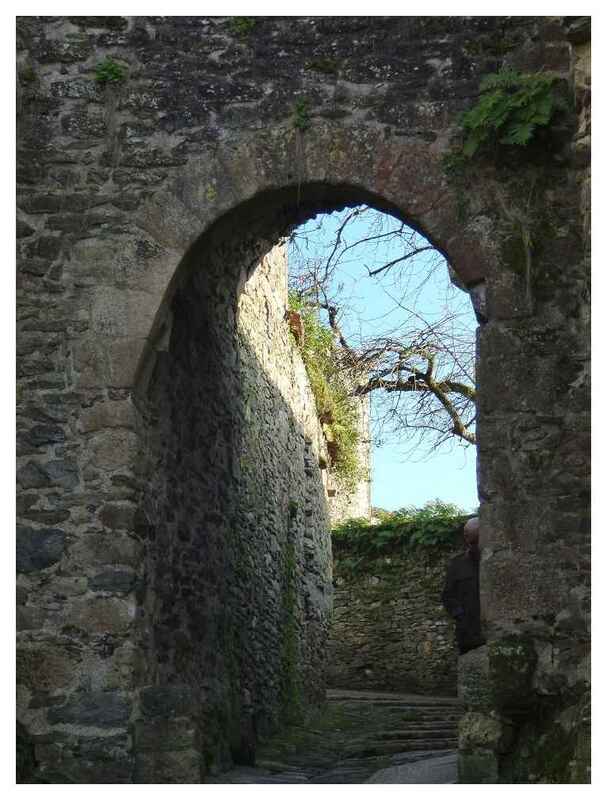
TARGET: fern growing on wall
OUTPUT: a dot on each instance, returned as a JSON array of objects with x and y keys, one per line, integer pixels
[{"x": 511, "y": 109}]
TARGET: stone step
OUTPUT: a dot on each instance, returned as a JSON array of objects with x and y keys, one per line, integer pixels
[
  {"x": 418, "y": 755},
  {"x": 396, "y": 700},
  {"x": 357, "y": 736},
  {"x": 439, "y": 733},
  {"x": 405, "y": 716},
  {"x": 402, "y": 746},
  {"x": 426, "y": 725},
  {"x": 400, "y": 697},
  {"x": 390, "y": 703},
  {"x": 393, "y": 711}
]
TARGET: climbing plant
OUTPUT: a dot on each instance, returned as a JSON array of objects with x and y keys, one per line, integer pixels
[{"x": 336, "y": 408}]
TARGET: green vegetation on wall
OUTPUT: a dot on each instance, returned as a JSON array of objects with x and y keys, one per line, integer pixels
[
  {"x": 337, "y": 409},
  {"x": 435, "y": 525},
  {"x": 301, "y": 114},
  {"x": 242, "y": 26},
  {"x": 511, "y": 109},
  {"x": 109, "y": 71}
]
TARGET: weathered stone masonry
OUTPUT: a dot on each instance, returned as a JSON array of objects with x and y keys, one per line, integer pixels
[
  {"x": 389, "y": 629},
  {"x": 142, "y": 204}
]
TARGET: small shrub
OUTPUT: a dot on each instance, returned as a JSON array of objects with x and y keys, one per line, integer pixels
[
  {"x": 108, "y": 71},
  {"x": 301, "y": 115},
  {"x": 242, "y": 26}
]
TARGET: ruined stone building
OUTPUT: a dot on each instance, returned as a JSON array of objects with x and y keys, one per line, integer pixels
[{"x": 173, "y": 559}]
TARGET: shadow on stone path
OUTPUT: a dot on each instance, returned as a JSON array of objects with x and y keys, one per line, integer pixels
[{"x": 362, "y": 737}]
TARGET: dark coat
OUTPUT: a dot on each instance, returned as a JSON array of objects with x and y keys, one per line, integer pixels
[{"x": 461, "y": 598}]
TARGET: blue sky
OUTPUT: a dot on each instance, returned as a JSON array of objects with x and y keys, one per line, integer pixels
[{"x": 403, "y": 473}]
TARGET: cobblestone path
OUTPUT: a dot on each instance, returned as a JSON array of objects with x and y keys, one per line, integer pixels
[{"x": 362, "y": 737}]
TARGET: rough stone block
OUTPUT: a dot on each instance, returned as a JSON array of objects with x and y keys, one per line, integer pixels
[
  {"x": 118, "y": 516},
  {"x": 26, "y": 759},
  {"x": 40, "y": 435},
  {"x": 32, "y": 476},
  {"x": 122, "y": 313},
  {"x": 29, "y": 618},
  {"x": 47, "y": 517},
  {"x": 473, "y": 686},
  {"x": 481, "y": 731},
  {"x": 512, "y": 582},
  {"x": 91, "y": 364},
  {"x": 167, "y": 701},
  {"x": 477, "y": 766},
  {"x": 125, "y": 356},
  {"x": 63, "y": 472},
  {"x": 113, "y": 449},
  {"x": 183, "y": 766},
  {"x": 45, "y": 667},
  {"x": 38, "y": 548},
  {"x": 118, "y": 581},
  {"x": 164, "y": 734},
  {"x": 98, "y": 709},
  {"x": 100, "y": 549},
  {"x": 108, "y": 414},
  {"x": 512, "y": 662},
  {"x": 104, "y": 615},
  {"x": 98, "y": 764}
]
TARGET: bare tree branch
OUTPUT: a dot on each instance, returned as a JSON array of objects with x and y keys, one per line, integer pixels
[
  {"x": 391, "y": 264},
  {"x": 421, "y": 373}
]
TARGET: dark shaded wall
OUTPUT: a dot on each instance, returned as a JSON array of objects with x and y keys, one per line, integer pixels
[
  {"x": 235, "y": 592},
  {"x": 118, "y": 182}
]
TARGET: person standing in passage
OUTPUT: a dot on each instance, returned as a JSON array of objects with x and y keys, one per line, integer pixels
[{"x": 461, "y": 595}]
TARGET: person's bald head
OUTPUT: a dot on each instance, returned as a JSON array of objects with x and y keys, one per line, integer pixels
[{"x": 471, "y": 531}]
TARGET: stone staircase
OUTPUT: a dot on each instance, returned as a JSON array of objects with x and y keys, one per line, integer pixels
[{"x": 357, "y": 735}]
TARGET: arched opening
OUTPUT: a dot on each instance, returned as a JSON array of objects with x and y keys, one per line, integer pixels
[
  {"x": 116, "y": 181},
  {"x": 234, "y": 602},
  {"x": 389, "y": 343}
]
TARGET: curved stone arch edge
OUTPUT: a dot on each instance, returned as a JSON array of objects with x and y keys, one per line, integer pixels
[{"x": 269, "y": 207}]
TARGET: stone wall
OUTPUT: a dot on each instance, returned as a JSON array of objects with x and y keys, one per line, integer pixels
[
  {"x": 139, "y": 201},
  {"x": 237, "y": 589},
  {"x": 389, "y": 630},
  {"x": 528, "y": 690},
  {"x": 222, "y": 610}
]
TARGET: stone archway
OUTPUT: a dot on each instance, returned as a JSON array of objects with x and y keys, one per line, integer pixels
[
  {"x": 143, "y": 219},
  {"x": 232, "y": 480}
]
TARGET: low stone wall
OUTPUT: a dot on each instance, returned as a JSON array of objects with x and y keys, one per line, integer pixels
[{"x": 389, "y": 628}]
